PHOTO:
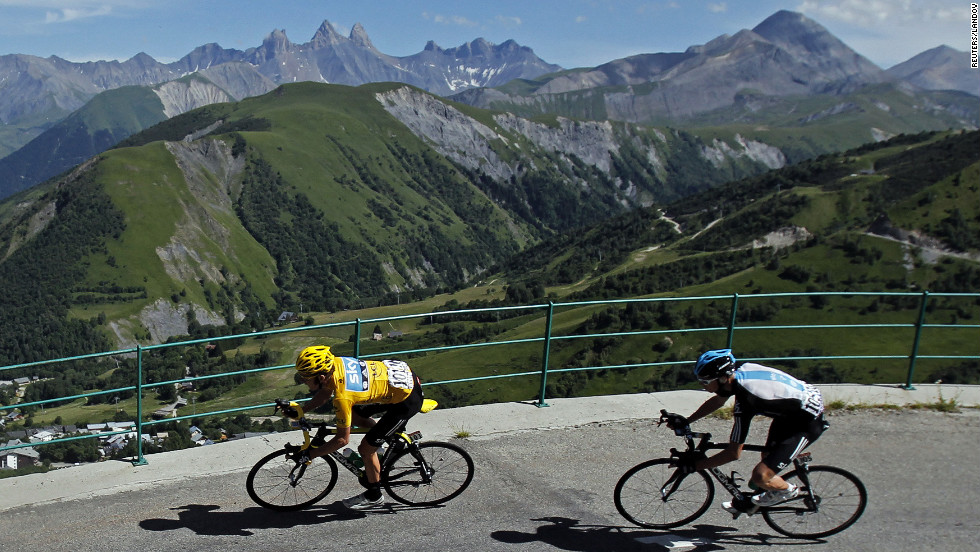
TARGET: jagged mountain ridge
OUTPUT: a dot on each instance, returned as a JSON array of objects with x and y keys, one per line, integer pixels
[
  {"x": 212, "y": 74},
  {"x": 752, "y": 78},
  {"x": 35, "y": 92},
  {"x": 785, "y": 56}
]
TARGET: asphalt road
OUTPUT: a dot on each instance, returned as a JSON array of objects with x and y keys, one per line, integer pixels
[{"x": 548, "y": 490}]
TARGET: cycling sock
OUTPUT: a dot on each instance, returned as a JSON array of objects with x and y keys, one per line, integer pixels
[{"x": 373, "y": 491}]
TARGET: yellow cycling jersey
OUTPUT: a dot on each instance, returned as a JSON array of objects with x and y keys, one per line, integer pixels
[{"x": 368, "y": 382}]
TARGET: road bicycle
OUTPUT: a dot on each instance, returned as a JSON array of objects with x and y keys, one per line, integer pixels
[
  {"x": 659, "y": 495},
  {"x": 413, "y": 472}
]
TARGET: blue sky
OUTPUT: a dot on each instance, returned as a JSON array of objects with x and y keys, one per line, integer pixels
[{"x": 570, "y": 33}]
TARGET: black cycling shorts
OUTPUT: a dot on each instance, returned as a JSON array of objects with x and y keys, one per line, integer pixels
[
  {"x": 394, "y": 416},
  {"x": 788, "y": 437}
]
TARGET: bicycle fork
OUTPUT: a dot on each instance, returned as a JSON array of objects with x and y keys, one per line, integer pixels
[
  {"x": 410, "y": 442},
  {"x": 425, "y": 470},
  {"x": 296, "y": 474},
  {"x": 812, "y": 501}
]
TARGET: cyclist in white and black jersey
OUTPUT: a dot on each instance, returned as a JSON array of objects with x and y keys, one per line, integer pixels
[{"x": 796, "y": 409}]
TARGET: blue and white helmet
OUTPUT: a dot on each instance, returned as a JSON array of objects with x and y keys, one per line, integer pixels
[{"x": 714, "y": 364}]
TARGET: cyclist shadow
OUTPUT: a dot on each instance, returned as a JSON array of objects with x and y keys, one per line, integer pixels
[
  {"x": 208, "y": 519},
  {"x": 567, "y": 534}
]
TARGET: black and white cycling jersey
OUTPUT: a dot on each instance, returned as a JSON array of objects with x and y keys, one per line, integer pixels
[{"x": 763, "y": 390}]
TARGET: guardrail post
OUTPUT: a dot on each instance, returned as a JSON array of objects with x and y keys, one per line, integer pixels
[
  {"x": 547, "y": 349},
  {"x": 140, "y": 459},
  {"x": 731, "y": 323},
  {"x": 918, "y": 336},
  {"x": 357, "y": 338}
]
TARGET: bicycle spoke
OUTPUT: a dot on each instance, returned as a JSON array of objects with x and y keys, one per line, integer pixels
[
  {"x": 840, "y": 499},
  {"x": 440, "y": 472},
  {"x": 650, "y": 496},
  {"x": 270, "y": 485}
]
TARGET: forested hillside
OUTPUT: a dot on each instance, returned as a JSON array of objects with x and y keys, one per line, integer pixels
[
  {"x": 319, "y": 198},
  {"x": 917, "y": 188},
  {"x": 875, "y": 219}
]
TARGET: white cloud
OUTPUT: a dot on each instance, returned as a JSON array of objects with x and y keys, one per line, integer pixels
[
  {"x": 581, "y": 19},
  {"x": 71, "y": 14},
  {"x": 721, "y": 7},
  {"x": 509, "y": 21},
  {"x": 449, "y": 19},
  {"x": 892, "y": 31},
  {"x": 870, "y": 13},
  {"x": 62, "y": 11}
]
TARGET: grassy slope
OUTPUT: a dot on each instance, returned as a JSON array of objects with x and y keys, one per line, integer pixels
[
  {"x": 146, "y": 184},
  {"x": 828, "y": 265},
  {"x": 306, "y": 124}
]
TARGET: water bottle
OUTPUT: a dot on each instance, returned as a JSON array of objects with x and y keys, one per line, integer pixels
[{"x": 353, "y": 457}]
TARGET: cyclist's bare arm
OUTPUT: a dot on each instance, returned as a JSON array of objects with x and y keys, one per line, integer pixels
[
  {"x": 729, "y": 454},
  {"x": 709, "y": 406}
]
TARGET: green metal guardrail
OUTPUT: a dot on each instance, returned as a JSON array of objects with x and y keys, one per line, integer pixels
[{"x": 546, "y": 340}]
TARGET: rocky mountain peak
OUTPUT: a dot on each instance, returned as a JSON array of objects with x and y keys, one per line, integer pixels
[
  {"x": 477, "y": 48},
  {"x": 800, "y": 35},
  {"x": 786, "y": 25},
  {"x": 142, "y": 62},
  {"x": 359, "y": 37},
  {"x": 275, "y": 44},
  {"x": 326, "y": 35},
  {"x": 816, "y": 48}
]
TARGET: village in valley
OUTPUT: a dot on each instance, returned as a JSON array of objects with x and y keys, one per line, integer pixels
[{"x": 112, "y": 437}]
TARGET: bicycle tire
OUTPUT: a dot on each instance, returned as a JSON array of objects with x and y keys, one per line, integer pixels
[
  {"x": 841, "y": 499},
  {"x": 268, "y": 483},
  {"x": 638, "y": 498},
  {"x": 451, "y": 471}
]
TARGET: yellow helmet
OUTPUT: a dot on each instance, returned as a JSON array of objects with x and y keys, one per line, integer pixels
[{"x": 314, "y": 360}]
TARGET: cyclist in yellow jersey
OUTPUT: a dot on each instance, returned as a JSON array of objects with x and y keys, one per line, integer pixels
[{"x": 361, "y": 389}]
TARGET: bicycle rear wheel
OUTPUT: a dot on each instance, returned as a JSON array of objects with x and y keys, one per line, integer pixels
[
  {"x": 278, "y": 483},
  {"x": 431, "y": 475},
  {"x": 839, "y": 499},
  {"x": 649, "y": 495}
]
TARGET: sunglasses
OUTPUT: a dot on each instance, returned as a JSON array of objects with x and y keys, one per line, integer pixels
[{"x": 706, "y": 381}]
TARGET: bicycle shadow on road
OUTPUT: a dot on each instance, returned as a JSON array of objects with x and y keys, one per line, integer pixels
[
  {"x": 567, "y": 534},
  {"x": 208, "y": 519}
]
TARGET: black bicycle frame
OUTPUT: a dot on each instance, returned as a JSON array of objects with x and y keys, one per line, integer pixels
[
  {"x": 729, "y": 482},
  {"x": 396, "y": 444}
]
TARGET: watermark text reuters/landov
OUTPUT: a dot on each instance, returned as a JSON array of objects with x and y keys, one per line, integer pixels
[{"x": 973, "y": 36}]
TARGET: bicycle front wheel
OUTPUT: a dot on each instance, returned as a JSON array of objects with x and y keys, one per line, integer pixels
[
  {"x": 655, "y": 495},
  {"x": 839, "y": 499},
  {"x": 430, "y": 475},
  {"x": 278, "y": 483}
]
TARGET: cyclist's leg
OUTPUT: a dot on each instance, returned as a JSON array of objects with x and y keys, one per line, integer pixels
[
  {"x": 392, "y": 421},
  {"x": 787, "y": 438}
]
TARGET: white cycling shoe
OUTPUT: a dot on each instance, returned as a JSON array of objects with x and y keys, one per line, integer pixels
[
  {"x": 362, "y": 502},
  {"x": 771, "y": 498}
]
